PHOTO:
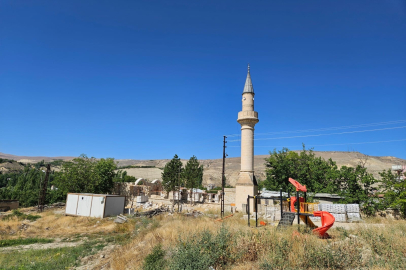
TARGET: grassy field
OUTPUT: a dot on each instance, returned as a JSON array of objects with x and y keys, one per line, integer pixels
[{"x": 179, "y": 242}]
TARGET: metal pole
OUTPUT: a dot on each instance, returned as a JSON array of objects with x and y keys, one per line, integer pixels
[
  {"x": 305, "y": 206},
  {"x": 290, "y": 210},
  {"x": 248, "y": 210},
  {"x": 179, "y": 189},
  {"x": 223, "y": 182},
  {"x": 281, "y": 202},
  {"x": 256, "y": 211},
  {"x": 298, "y": 207}
]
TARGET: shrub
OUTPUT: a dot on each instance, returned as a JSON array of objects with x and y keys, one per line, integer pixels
[
  {"x": 202, "y": 251},
  {"x": 21, "y": 216},
  {"x": 156, "y": 259}
]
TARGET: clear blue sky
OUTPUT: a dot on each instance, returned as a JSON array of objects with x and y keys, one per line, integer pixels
[{"x": 148, "y": 79}]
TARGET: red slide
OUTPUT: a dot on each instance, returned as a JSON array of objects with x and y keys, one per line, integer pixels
[
  {"x": 297, "y": 185},
  {"x": 327, "y": 220}
]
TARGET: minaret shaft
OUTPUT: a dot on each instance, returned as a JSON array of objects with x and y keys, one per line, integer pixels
[
  {"x": 247, "y": 148},
  {"x": 247, "y": 118}
]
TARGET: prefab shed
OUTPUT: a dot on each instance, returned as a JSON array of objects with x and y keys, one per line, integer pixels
[{"x": 94, "y": 205}]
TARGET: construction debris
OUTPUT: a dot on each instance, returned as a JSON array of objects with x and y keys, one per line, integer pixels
[
  {"x": 120, "y": 219},
  {"x": 194, "y": 214},
  {"x": 153, "y": 212}
]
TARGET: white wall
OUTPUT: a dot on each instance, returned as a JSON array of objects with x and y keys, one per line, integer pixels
[
  {"x": 84, "y": 205},
  {"x": 71, "y": 204},
  {"x": 98, "y": 206}
]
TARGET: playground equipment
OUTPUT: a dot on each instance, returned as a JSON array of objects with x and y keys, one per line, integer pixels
[
  {"x": 298, "y": 207},
  {"x": 305, "y": 210}
]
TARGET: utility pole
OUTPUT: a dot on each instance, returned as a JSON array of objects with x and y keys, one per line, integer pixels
[
  {"x": 43, "y": 190},
  {"x": 223, "y": 179},
  {"x": 179, "y": 189}
]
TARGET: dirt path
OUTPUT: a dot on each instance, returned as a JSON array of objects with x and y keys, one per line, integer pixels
[{"x": 56, "y": 244}]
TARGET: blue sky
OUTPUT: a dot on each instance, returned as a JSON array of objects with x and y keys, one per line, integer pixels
[{"x": 148, "y": 79}]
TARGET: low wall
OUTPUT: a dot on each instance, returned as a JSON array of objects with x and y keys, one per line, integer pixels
[{"x": 6, "y": 205}]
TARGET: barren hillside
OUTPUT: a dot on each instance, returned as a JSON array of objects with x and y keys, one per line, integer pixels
[{"x": 212, "y": 167}]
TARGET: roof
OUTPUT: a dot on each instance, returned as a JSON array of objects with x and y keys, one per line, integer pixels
[{"x": 248, "y": 88}]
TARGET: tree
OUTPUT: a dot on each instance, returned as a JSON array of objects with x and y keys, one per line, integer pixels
[
  {"x": 193, "y": 175},
  {"x": 171, "y": 175},
  {"x": 394, "y": 189},
  {"x": 105, "y": 170},
  {"x": 314, "y": 172},
  {"x": 356, "y": 185},
  {"x": 87, "y": 175}
]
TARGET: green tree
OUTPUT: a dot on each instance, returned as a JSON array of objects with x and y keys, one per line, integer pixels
[
  {"x": 122, "y": 176},
  {"x": 193, "y": 175},
  {"x": 87, "y": 175},
  {"x": 171, "y": 175},
  {"x": 356, "y": 185},
  {"x": 393, "y": 187},
  {"x": 314, "y": 172}
]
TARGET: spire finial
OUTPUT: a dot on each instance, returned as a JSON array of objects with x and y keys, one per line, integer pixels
[{"x": 248, "y": 84}]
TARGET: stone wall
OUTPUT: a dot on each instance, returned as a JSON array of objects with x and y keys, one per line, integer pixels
[
  {"x": 229, "y": 195},
  {"x": 6, "y": 205}
]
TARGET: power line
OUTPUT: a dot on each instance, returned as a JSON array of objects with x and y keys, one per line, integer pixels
[
  {"x": 328, "y": 144},
  {"x": 317, "y": 135},
  {"x": 326, "y": 129}
]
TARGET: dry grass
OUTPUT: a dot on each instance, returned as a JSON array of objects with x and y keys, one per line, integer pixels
[
  {"x": 372, "y": 247},
  {"x": 378, "y": 243},
  {"x": 52, "y": 225}
]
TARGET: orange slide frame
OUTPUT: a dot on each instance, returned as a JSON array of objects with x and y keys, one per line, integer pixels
[{"x": 327, "y": 219}]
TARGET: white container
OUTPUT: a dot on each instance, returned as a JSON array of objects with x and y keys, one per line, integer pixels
[{"x": 94, "y": 205}]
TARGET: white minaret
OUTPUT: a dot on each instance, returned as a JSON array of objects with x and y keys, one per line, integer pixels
[{"x": 247, "y": 118}]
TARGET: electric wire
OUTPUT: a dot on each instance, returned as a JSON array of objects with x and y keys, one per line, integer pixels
[
  {"x": 325, "y": 129},
  {"x": 324, "y": 144},
  {"x": 317, "y": 135}
]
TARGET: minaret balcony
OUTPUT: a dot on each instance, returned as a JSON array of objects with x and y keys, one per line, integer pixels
[{"x": 248, "y": 115}]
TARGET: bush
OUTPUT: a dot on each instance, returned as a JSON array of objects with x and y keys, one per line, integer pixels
[
  {"x": 21, "y": 216},
  {"x": 202, "y": 251},
  {"x": 155, "y": 260},
  {"x": 26, "y": 241}
]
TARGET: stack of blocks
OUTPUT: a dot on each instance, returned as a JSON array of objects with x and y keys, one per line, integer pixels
[
  {"x": 341, "y": 212},
  {"x": 353, "y": 212}
]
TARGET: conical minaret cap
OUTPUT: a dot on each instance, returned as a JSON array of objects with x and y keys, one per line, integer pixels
[{"x": 248, "y": 88}]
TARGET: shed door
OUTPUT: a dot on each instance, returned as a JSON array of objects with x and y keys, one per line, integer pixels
[
  {"x": 71, "y": 204},
  {"x": 84, "y": 204},
  {"x": 97, "y": 207}
]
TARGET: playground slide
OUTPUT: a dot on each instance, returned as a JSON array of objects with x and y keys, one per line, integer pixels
[
  {"x": 309, "y": 222},
  {"x": 297, "y": 185},
  {"x": 327, "y": 221}
]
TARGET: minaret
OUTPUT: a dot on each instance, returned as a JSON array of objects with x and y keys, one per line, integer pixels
[{"x": 247, "y": 118}]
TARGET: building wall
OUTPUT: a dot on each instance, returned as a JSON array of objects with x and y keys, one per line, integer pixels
[{"x": 229, "y": 195}]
